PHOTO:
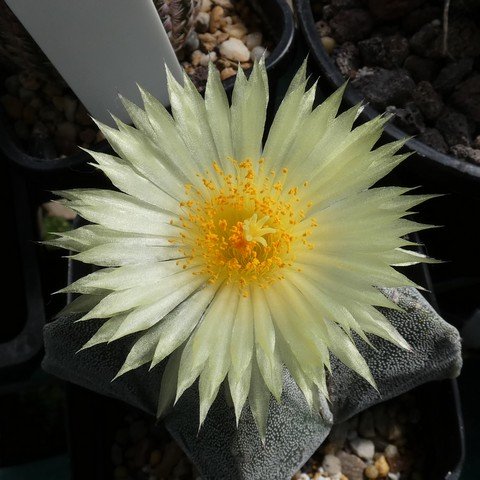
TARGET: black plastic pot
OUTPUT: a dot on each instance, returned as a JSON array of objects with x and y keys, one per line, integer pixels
[
  {"x": 94, "y": 420},
  {"x": 59, "y": 173},
  {"x": 21, "y": 336},
  {"x": 448, "y": 172}
]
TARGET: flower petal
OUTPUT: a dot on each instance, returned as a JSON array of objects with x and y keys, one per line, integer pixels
[
  {"x": 259, "y": 399},
  {"x": 188, "y": 109},
  {"x": 197, "y": 350},
  {"x": 168, "y": 385},
  {"x": 241, "y": 351},
  {"x": 128, "y": 180},
  {"x": 135, "y": 148},
  {"x": 313, "y": 129},
  {"x": 115, "y": 255},
  {"x": 125, "y": 300},
  {"x": 81, "y": 304},
  {"x": 119, "y": 211},
  {"x": 219, "y": 358},
  {"x": 90, "y": 236},
  {"x": 105, "y": 332},
  {"x": 294, "y": 109},
  {"x": 219, "y": 119},
  {"x": 167, "y": 138},
  {"x": 144, "y": 317},
  {"x": 249, "y": 106},
  {"x": 122, "y": 278},
  {"x": 179, "y": 324},
  {"x": 267, "y": 357}
]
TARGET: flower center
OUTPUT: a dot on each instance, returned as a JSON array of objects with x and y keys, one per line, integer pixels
[{"x": 242, "y": 227}]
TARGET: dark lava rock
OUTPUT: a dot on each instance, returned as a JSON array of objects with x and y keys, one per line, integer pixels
[
  {"x": 384, "y": 87},
  {"x": 351, "y": 25},
  {"x": 347, "y": 58},
  {"x": 392, "y": 9},
  {"x": 388, "y": 52},
  {"x": 433, "y": 138},
  {"x": 397, "y": 50},
  {"x": 467, "y": 153},
  {"x": 408, "y": 118},
  {"x": 454, "y": 127},
  {"x": 420, "y": 68},
  {"x": 428, "y": 100},
  {"x": 416, "y": 19},
  {"x": 372, "y": 51},
  {"x": 463, "y": 38},
  {"x": 476, "y": 142},
  {"x": 427, "y": 41},
  {"x": 328, "y": 12},
  {"x": 199, "y": 77},
  {"x": 452, "y": 74},
  {"x": 466, "y": 97}
]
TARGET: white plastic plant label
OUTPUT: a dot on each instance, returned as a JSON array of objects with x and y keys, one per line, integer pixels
[{"x": 102, "y": 48}]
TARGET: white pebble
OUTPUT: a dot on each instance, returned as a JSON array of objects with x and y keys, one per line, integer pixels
[
  {"x": 332, "y": 464},
  {"x": 207, "y": 58},
  {"x": 224, "y": 3},
  {"x": 202, "y": 22},
  {"x": 391, "y": 451},
  {"x": 235, "y": 49},
  {"x": 236, "y": 30},
  {"x": 363, "y": 448},
  {"x": 253, "y": 40},
  {"x": 258, "y": 52},
  {"x": 196, "y": 58},
  {"x": 393, "y": 476},
  {"x": 206, "y": 6}
]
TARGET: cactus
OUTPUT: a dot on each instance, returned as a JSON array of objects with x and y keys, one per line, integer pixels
[{"x": 178, "y": 17}]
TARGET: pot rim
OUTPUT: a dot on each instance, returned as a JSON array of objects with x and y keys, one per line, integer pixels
[{"x": 284, "y": 46}]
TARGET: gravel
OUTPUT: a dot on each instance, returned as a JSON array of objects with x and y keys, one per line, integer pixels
[{"x": 397, "y": 59}]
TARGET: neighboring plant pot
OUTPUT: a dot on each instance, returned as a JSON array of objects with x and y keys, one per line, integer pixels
[
  {"x": 59, "y": 173},
  {"x": 430, "y": 165},
  {"x": 21, "y": 336}
]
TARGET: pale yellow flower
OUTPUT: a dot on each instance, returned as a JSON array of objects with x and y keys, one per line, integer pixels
[{"x": 234, "y": 259}]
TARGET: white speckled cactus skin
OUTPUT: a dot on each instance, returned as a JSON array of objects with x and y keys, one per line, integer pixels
[{"x": 221, "y": 450}]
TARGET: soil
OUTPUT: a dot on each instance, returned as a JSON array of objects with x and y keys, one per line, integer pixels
[
  {"x": 47, "y": 118},
  {"x": 406, "y": 60}
]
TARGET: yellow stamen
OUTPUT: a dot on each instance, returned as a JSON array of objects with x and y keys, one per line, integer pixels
[{"x": 241, "y": 228}]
